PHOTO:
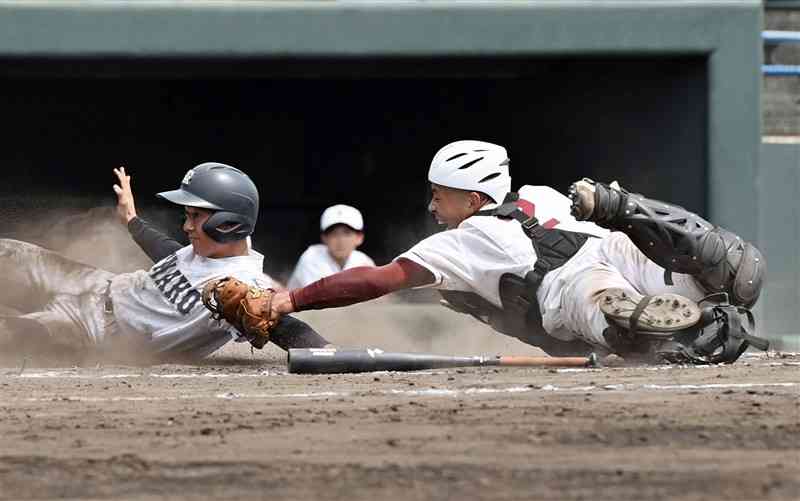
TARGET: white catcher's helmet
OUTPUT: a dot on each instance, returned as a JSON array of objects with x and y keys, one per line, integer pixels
[{"x": 473, "y": 166}]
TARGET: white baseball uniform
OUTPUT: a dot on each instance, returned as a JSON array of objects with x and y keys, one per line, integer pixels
[
  {"x": 316, "y": 262},
  {"x": 473, "y": 257},
  {"x": 160, "y": 309},
  {"x": 165, "y": 303}
]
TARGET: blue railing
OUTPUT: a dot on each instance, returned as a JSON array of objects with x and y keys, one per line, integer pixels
[{"x": 773, "y": 38}]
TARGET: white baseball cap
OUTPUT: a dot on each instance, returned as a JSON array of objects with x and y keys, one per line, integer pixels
[{"x": 341, "y": 214}]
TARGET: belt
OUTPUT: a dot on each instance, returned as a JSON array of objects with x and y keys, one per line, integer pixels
[{"x": 108, "y": 304}]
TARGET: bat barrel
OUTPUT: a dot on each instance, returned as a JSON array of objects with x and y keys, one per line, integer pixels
[{"x": 332, "y": 361}]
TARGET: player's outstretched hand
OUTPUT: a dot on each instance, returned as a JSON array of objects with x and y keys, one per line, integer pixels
[{"x": 126, "y": 209}]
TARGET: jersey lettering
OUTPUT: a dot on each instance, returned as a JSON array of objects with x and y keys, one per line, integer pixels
[
  {"x": 167, "y": 264},
  {"x": 173, "y": 292},
  {"x": 175, "y": 287},
  {"x": 189, "y": 301},
  {"x": 162, "y": 282}
]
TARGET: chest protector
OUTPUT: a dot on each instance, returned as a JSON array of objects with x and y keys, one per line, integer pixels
[{"x": 520, "y": 315}]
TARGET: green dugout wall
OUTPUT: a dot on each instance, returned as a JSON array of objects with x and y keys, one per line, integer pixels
[
  {"x": 779, "y": 239},
  {"x": 345, "y": 101}
]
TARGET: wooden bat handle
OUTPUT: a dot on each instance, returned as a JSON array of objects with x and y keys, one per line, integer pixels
[{"x": 590, "y": 361}]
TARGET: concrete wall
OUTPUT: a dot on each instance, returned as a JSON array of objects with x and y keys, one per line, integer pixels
[
  {"x": 779, "y": 186},
  {"x": 779, "y": 240}
]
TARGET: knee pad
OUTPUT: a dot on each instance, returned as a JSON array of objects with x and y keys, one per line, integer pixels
[
  {"x": 682, "y": 242},
  {"x": 732, "y": 266}
]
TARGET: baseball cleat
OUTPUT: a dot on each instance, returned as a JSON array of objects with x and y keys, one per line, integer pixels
[{"x": 659, "y": 313}]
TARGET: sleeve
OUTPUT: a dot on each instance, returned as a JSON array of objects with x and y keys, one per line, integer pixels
[
  {"x": 448, "y": 256},
  {"x": 155, "y": 243},
  {"x": 359, "y": 284}
]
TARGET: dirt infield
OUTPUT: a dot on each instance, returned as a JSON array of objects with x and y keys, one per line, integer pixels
[{"x": 252, "y": 431}]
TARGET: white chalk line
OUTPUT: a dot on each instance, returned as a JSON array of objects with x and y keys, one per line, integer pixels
[
  {"x": 196, "y": 396},
  {"x": 77, "y": 375},
  {"x": 431, "y": 392},
  {"x": 608, "y": 387},
  {"x": 214, "y": 375}
]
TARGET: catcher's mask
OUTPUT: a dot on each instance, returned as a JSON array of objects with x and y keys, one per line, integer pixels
[{"x": 227, "y": 192}]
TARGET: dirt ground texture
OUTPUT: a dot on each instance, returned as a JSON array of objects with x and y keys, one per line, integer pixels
[{"x": 238, "y": 428}]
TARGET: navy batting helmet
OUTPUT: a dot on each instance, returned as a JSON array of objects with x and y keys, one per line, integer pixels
[{"x": 226, "y": 191}]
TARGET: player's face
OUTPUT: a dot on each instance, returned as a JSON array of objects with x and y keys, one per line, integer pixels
[
  {"x": 450, "y": 206},
  {"x": 341, "y": 241},
  {"x": 203, "y": 244}
]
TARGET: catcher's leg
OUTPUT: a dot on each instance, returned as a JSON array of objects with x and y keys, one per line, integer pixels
[
  {"x": 620, "y": 301},
  {"x": 579, "y": 313},
  {"x": 294, "y": 333},
  {"x": 676, "y": 239},
  {"x": 673, "y": 328}
]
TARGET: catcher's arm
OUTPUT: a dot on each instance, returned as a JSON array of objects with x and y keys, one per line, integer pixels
[
  {"x": 255, "y": 312},
  {"x": 353, "y": 286}
]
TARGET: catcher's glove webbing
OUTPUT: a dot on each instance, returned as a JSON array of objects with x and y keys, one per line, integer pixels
[{"x": 246, "y": 307}]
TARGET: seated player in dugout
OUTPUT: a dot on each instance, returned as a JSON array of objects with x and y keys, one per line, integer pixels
[
  {"x": 73, "y": 310},
  {"x": 602, "y": 270},
  {"x": 342, "y": 230}
]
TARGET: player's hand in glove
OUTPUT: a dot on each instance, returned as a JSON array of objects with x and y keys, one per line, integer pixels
[{"x": 246, "y": 307}]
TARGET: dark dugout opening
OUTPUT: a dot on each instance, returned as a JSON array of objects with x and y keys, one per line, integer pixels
[{"x": 313, "y": 133}]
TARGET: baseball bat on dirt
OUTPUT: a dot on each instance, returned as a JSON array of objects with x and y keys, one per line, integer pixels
[{"x": 332, "y": 361}]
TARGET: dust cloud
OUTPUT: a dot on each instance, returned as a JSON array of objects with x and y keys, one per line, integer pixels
[
  {"x": 412, "y": 321},
  {"x": 92, "y": 236}
]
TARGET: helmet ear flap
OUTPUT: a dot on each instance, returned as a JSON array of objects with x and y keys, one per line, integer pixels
[{"x": 224, "y": 226}]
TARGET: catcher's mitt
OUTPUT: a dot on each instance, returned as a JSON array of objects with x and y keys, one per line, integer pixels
[{"x": 246, "y": 307}]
